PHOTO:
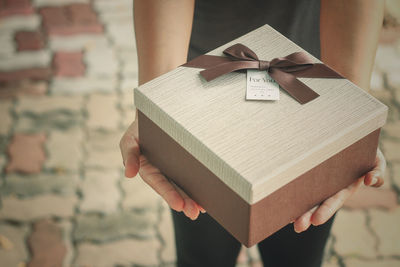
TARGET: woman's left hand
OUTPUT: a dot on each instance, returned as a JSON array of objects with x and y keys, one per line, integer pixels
[{"x": 323, "y": 212}]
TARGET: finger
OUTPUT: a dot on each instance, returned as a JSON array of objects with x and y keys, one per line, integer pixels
[
  {"x": 190, "y": 208},
  {"x": 130, "y": 154},
  {"x": 131, "y": 166},
  {"x": 332, "y": 204},
  {"x": 374, "y": 178},
  {"x": 304, "y": 221},
  {"x": 153, "y": 177},
  {"x": 202, "y": 210}
]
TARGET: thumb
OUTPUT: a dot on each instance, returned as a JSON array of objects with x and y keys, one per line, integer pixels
[
  {"x": 130, "y": 154},
  {"x": 132, "y": 164}
]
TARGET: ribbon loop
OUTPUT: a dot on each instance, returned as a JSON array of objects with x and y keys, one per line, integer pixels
[
  {"x": 284, "y": 70},
  {"x": 240, "y": 52}
]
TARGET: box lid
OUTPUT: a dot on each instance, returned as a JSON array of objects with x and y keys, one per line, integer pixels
[{"x": 256, "y": 147}]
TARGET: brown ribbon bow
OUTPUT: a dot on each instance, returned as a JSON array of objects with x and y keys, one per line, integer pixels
[{"x": 284, "y": 70}]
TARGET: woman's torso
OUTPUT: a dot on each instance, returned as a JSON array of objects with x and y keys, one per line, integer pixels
[{"x": 217, "y": 22}]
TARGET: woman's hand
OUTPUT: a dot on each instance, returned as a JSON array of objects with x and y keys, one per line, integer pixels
[
  {"x": 135, "y": 162},
  {"x": 323, "y": 212}
]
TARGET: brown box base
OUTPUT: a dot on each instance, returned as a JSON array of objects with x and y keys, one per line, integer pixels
[{"x": 251, "y": 224}]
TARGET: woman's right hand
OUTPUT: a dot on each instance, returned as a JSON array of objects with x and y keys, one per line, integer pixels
[{"x": 135, "y": 162}]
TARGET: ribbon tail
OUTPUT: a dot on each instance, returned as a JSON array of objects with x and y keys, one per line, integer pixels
[
  {"x": 298, "y": 90},
  {"x": 317, "y": 70},
  {"x": 227, "y": 67}
]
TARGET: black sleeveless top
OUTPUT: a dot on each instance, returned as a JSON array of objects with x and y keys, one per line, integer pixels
[{"x": 217, "y": 22}]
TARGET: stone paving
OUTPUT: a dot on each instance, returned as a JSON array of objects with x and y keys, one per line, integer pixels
[{"x": 67, "y": 70}]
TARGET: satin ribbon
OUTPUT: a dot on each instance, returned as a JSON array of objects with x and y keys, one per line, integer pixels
[{"x": 284, "y": 70}]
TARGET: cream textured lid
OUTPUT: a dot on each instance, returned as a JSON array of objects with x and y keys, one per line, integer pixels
[{"x": 256, "y": 147}]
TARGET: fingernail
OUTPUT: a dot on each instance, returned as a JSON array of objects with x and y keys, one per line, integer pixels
[
  {"x": 374, "y": 180},
  {"x": 186, "y": 213},
  {"x": 193, "y": 218},
  {"x": 188, "y": 208}
]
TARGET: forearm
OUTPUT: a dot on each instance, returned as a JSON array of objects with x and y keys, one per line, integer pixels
[
  {"x": 349, "y": 32},
  {"x": 162, "y": 30}
]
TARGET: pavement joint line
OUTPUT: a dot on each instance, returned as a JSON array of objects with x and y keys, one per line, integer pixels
[
  {"x": 160, "y": 211},
  {"x": 81, "y": 169},
  {"x": 335, "y": 254},
  {"x": 67, "y": 239},
  {"x": 74, "y": 243},
  {"x": 390, "y": 169},
  {"x": 371, "y": 230},
  {"x": 26, "y": 238},
  {"x": 13, "y": 114},
  {"x": 120, "y": 189},
  {"x": 329, "y": 249}
]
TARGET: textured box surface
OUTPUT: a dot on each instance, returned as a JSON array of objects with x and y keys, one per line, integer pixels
[{"x": 252, "y": 154}]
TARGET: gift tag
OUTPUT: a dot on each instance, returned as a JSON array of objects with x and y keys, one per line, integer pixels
[{"x": 260, "y": 86}]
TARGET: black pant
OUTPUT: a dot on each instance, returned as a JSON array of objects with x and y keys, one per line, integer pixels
[{"x": 204, "y": 243}]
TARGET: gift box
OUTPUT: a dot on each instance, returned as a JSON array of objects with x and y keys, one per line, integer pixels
[{"x": 256, "y": 165}]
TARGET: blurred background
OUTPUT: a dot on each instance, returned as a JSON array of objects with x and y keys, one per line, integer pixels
[{"x": 67, "y": 70}]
